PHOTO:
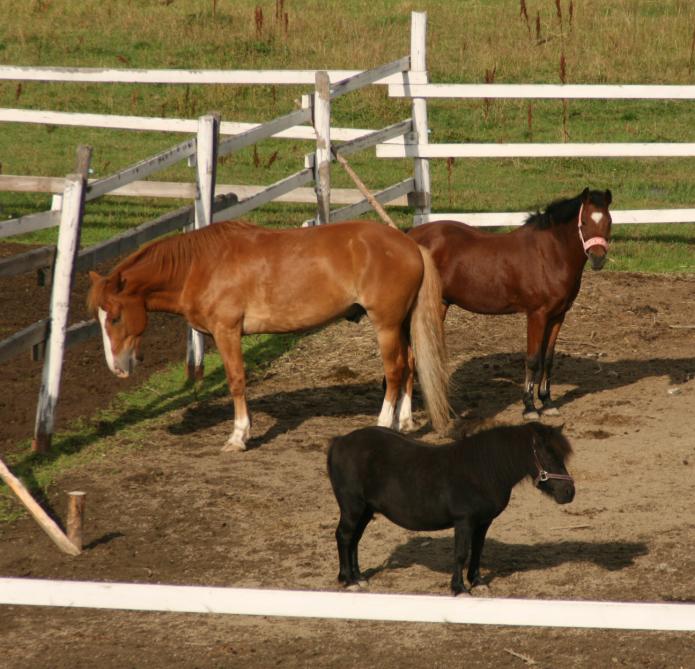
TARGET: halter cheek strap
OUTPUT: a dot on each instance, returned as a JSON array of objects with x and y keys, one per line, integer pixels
[
  {"x": 593, "y": 241},
  {"x": 544, "y": 475}
]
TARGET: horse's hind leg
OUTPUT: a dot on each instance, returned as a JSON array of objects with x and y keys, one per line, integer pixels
[
  {"x": 354, "y": 517},
  {"x": 404, "y": 410},
  {"x": 476, "y": 551},
  {"x": 229, "y": 345},
  {"x": 549, "y": 408},
  {"x": 393, "y": 350},
  {"x": 462, "y": 544}
]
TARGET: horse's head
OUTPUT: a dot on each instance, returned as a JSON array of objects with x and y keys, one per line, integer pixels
[
  {"x": 123, "y": 319},
  {"x": 594, "y": 222},
  {"x": 550, "y": 451}
]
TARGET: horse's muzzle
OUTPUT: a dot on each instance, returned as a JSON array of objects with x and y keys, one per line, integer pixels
[
  {"x": 564, "y": 493},
  {"x": 597, "y": 261}
]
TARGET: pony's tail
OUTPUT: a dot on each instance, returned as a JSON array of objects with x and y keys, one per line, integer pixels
[{"x": 427, "y": 337}]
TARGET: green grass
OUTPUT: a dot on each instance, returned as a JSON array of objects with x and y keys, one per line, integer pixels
[
  {"x": 625, "y": 41},
  {"x": 131, "y": 418}
]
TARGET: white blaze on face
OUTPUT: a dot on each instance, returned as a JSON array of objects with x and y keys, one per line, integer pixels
[
  {"x": 122, "y": 365},
  {"x": 597, "y": 217},
  {"x": 108, "y": 351}
]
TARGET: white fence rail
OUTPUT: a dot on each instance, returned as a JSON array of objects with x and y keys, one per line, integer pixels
[
  {"x": 349, "y": 606},
  {"x": 423, "y": 150},
  {"x": 224, "y": 77}
]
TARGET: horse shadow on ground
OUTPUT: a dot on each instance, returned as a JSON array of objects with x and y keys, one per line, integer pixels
[
  {"x": 502, "y": 559},
  {"x": 485, "y": 386},
  {"x": 481, "y": 388}
]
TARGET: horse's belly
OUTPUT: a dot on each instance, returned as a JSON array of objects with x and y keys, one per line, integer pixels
[{"x": 294, "y": 319}]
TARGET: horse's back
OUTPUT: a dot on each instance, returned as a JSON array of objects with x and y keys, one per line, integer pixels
[
  {"x": 327, "y": 269},
  {"x": 403, "y": 479},
  {"x": 481, "y": 271}
]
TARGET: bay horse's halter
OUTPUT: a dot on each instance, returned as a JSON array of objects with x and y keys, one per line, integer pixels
[
  {"x": 593, "y": 241},
  {"x": 543, "y": 475}
]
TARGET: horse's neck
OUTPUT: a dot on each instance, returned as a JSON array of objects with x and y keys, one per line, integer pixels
[
  {"x": 161, "y": 290},
  {"x": 569, "y": 252},
  {"x": 498, "y": 469}
]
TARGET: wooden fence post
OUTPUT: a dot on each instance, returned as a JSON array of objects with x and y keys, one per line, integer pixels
[
  {"x": 48, "y": 525},
  {"x": 63, "y": 270},
  {"x": 422, "y": 197},
  {"x": 75, "y": 520},
  {"x": 206, "y": 175},
  {"x": 322, "y": 157}
]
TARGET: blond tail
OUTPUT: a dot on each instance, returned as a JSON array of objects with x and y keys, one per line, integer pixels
[{"x": 427, "y": 336}]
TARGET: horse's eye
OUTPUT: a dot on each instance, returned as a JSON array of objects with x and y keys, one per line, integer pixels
[{"x": 115, "y": 320}]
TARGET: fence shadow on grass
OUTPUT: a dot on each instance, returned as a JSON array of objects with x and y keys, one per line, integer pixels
[{"x": 502, "y": 559}]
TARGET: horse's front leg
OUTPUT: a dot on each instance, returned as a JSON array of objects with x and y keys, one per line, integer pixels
[
  {"x": 549, "y": 407},
  {"x": 229, "y": 345},
  {"x": 462, "y": 544},
  {"x": 535, "y": 332},
  {"x": 393, "y": 350}
]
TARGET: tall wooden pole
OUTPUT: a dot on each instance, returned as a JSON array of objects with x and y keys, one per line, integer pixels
[
  {"x": 322, "y": 159},
  {"x": 206, "y": 173},
  {"x": 422, "y": 197},
  {"x": 63, "y": 270}
]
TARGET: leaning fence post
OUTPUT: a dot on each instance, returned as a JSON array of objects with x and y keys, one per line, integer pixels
[
  {"x": 63, "y": 270},
  {"x": 322, "y": 157},
  {"x": 422, "y": 197},
  {"x": 206, "y": 174}
]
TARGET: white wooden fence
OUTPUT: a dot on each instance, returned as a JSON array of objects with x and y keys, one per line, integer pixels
[
  {"x": 406, "y": 77},
  {"x": 665, "y": 616},
  {"x": 202, "y": 151},
  {"x": 423, "y": 150}
]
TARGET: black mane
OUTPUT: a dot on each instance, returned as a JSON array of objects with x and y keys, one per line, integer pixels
[
  {"x": 564, "y": 210},
  {"x": 496, "y": 455}
]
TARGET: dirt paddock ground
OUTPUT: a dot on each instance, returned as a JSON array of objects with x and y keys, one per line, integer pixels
[{"x": 182, "y": 512}]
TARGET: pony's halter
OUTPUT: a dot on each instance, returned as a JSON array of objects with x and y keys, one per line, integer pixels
[
  {"x": 593, "y": 241},
  {"x": 544, "y": 475}
]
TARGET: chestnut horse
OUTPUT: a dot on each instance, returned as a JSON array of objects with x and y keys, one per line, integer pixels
[
  {"x": 234, "y": 278},
  {"x": 535, "y": 269}
]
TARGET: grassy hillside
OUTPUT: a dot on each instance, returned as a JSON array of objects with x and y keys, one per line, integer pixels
[{"x": 622, "y": 41}]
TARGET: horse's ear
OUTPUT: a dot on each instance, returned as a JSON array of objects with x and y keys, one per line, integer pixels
[
  {"x": 609, "y": 197},
  {"x": 116, "y": 283},
  {"x": 94, "y": 277},
  {"x": 585, "y": 195}
]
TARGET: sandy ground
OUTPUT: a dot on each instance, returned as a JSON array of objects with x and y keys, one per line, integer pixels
[{"x": 180, "y": 511}]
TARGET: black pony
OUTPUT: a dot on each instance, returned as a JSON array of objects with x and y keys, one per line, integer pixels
[{"x": 465, "y": 485}]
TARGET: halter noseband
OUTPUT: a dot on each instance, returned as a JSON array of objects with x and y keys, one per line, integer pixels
[
  {"x": 594, "y": 241},
  {"x": 544, "y": 475}
]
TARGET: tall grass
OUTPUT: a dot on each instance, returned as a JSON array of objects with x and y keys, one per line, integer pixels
[{"x": 545, "y": 41}]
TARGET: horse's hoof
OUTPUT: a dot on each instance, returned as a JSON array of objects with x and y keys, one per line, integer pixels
[
  {"x": 356, "y": 587},
  {"x": 551, "y": 411},
  {"x": 462, "y": 593},
  {"x": 407, "y": 426},
  {"x": 482, "y": 590},
  {"x": 531, "y": 415},
  {"x": 233, "y": 447}
]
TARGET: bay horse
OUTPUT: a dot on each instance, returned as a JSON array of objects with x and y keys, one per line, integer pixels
[
  {"x": 234, "y": 278},
  {"x": 465, "y": 485},
  {"x": 535, "y": 269}
]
